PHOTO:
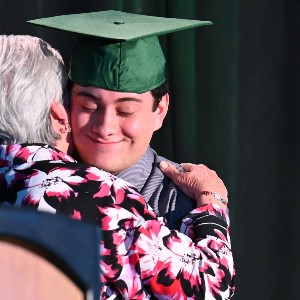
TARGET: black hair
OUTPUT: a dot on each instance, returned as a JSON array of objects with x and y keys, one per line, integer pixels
[{"x": 158, "y": 93}]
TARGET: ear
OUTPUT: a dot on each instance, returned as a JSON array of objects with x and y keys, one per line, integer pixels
[
  {"x": 59, "y": 116},
  {"x": 58, "y": 113},
  {"x": 161, "y": 111},
  {"x": 60, "y": 121}
]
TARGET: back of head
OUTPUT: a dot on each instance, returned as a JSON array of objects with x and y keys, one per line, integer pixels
[{"x": 32, "y": 76}]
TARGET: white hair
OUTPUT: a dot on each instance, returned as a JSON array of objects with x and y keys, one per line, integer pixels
[{"x": 32, "y": 76}]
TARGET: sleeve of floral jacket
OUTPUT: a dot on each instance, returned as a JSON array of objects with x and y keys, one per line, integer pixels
[{"x": 141, "y": 257}]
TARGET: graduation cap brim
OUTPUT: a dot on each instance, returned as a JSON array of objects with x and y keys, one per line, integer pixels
[{"x": 117, "y": 25}]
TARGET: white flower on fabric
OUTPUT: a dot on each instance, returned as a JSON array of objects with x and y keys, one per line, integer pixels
[
  {"x": 57, "y": 183},
  {"x": 7, "y": 154},
  {"x": 107, "y": 182}
]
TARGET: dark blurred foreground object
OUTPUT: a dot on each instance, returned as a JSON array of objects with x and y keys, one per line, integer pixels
[{"x": 46, "y": 256}]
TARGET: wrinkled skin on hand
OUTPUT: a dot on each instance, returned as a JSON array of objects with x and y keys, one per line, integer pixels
[{"x": 195, "y": 180}]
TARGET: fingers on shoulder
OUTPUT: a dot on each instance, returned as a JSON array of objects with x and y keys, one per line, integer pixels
[
  {"x": 194, "y": 167},
  {"x": 168, "y": 168},
  {"x": 188, "y": 166}
]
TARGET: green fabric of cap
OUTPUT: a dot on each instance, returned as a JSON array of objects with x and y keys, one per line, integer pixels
[
  {"x": 118, "y": 66},
  {"x": 118, "y": 51}
]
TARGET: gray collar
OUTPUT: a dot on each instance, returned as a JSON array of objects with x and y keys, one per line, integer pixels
[{"x": 139, "y": 173}]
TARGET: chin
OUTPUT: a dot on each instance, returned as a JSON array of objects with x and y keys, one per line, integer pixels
[{"x": 107, "y": 167}]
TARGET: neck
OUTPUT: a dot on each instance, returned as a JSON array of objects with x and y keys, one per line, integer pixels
[{"x": 62, "y": 145}]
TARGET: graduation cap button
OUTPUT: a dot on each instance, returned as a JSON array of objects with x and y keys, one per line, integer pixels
[{"x": 119, "y": 22}]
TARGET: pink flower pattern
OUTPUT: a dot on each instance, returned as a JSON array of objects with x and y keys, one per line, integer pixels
[{"x": 141, "y": 257}]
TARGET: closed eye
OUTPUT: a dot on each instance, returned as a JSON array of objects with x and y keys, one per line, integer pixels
[
  {"x": 88, "y": 109},
  {"x": 125, "y": 114}
]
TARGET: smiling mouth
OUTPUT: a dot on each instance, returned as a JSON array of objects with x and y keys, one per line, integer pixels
[{"x": 104, "y": 143}]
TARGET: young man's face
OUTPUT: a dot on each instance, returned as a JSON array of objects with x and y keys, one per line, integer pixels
[{"x": 112, "y": 130}]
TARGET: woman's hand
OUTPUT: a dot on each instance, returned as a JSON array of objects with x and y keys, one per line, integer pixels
[{"x": 198, "y": 182}]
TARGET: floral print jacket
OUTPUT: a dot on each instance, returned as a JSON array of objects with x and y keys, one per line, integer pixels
[{"x": 141, "y": 257}]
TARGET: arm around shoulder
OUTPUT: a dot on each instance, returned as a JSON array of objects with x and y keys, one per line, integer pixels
[{"x": 196, "y": 263}]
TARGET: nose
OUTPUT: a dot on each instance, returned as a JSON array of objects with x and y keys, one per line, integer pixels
[{"x": 105, "y": 123}]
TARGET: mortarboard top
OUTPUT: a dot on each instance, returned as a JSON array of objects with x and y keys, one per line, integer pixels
[
  {"x": 117, "y": 50},
  {"x": 117, "y": 25}
]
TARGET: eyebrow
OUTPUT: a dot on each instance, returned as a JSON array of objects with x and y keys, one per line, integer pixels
[{"x": 119, "y": 100}]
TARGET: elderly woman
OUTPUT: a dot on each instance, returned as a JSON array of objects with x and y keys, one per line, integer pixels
[{"x": 141, "y": 257}]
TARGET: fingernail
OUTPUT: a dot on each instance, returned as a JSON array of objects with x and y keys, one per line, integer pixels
[{"x": 163, "y": 165}]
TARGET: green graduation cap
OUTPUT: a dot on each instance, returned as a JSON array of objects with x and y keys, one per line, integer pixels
[{"x": 116, "y": 50}]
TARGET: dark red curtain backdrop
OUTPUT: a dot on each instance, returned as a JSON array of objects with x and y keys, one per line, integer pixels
[{"x": 235, "y": 106}]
